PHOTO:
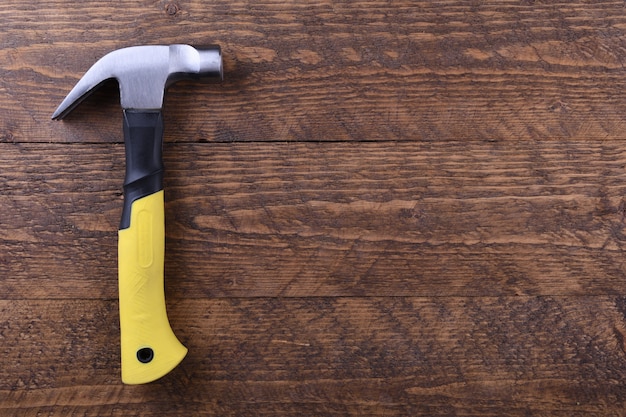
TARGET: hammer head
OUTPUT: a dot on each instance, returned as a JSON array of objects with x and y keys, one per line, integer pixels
[{"x": 143, "y": 73}]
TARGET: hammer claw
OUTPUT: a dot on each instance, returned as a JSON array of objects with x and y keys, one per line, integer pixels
[{"x": 83, "y": 89}]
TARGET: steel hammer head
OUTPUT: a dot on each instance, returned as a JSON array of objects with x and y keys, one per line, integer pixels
[{"x": 143, "y": 73}]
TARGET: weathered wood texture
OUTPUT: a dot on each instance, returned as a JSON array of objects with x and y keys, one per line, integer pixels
[
  {"x": 445, "y": 356},
  {"x": 262, "y": 220},
  {"x": 387, "y": 208}
]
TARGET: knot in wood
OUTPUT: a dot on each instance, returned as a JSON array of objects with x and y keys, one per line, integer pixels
[{"x": 171, "y": 9}]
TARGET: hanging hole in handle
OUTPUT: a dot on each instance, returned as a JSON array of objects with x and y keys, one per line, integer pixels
[{"x": 145, "y": 355}]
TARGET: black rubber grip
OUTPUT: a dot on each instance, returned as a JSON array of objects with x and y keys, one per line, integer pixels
[{"x": 143, "y": 138}]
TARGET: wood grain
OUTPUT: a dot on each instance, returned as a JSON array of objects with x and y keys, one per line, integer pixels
[
  {"x": 250, "y": 220},
  {"x": 325, "y": 356},
  {"x": 333, "y": 70},
  {"x": 386, "y": 209}
]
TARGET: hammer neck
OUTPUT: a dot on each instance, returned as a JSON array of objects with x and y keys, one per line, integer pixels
[{"x": 143, "y": 139}]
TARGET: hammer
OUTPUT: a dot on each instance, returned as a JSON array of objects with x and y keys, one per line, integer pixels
[{"x": 149, "y": 348}]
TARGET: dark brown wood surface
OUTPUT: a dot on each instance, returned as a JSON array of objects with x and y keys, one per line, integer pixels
[{"x": 386, "y": 209}]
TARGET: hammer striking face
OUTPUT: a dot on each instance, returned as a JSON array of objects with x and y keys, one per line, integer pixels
[{"x": 149, "y": 347}]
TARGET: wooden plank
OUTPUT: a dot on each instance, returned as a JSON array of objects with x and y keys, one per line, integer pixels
[
  {"x": 405, "y": 208},
  {"x": 332, "y": 70},
  {"x": 439, "y": 356},
  {"x": 261, "y": 220}
]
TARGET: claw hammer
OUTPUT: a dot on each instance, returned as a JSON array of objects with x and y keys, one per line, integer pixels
[{"x": 149, "y": 348}]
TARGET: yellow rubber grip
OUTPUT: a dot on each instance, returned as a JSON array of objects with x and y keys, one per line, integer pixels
[{"x": 149, "y": 347}]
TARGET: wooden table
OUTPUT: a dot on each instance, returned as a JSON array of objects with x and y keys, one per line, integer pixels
[{"x": 386, "y": 209}]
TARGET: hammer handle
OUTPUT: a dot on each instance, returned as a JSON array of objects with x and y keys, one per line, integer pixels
[{"x": 149, "y": 348}]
